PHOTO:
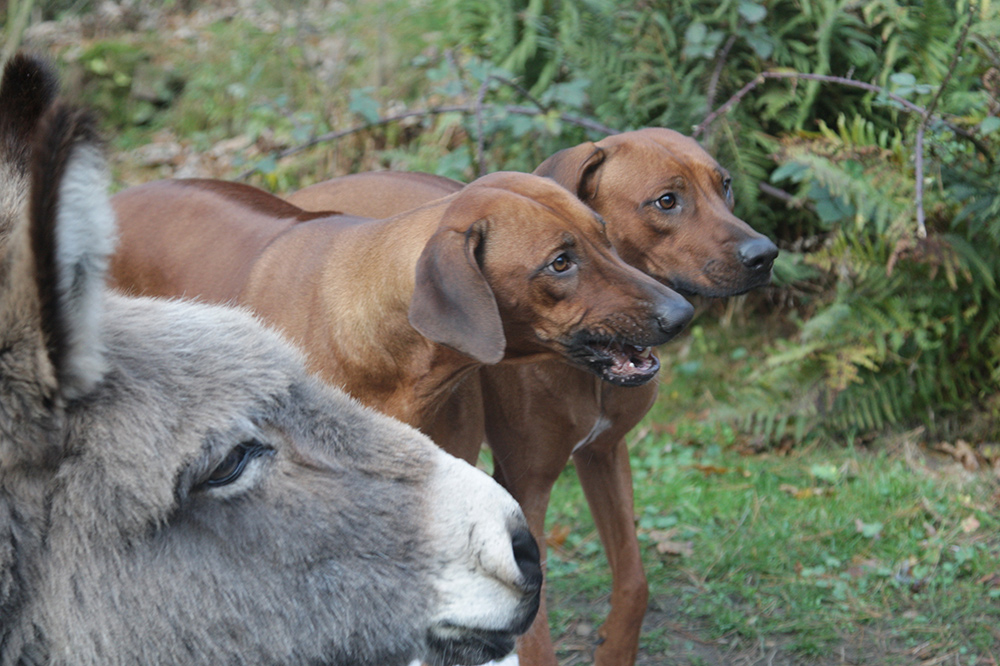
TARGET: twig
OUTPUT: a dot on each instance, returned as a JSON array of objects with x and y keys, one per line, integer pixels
[
  {"x": 449, "y": 56},
  {"x": 918, "y": 174},
  {"x": 778, "y": 193},
  {"x": 925, "y": 113},
  {"x": 480, "y": 97},
  {"x": 480, "y": 139},
  {"x": 332, "y": 136},
  {"x": 973, "y": 8},
  {"x": 853, "y": 83},
  {"x": 585, "y": 123},
  {"x": 521, "y": 90},
  {"x": 918, "y": 167},
  {"x": 713, "y": 83}
]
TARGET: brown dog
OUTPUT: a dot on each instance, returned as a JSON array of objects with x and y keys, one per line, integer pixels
[
  {"x": 668, "y": 207},
  {"x": 398, "y": 311}
]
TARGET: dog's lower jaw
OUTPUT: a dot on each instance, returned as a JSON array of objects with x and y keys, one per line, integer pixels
[
  {"x": 618, "y": 363},
  {"x": 719, "y": 288}
]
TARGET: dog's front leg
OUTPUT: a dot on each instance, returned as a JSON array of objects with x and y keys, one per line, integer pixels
[{"x": 606, "y": 477}]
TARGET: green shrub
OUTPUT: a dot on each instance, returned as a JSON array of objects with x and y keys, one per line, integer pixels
[{"x": 893, "y": 328}]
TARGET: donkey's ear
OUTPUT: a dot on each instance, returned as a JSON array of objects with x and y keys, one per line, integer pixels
[
  {"x": 27, "y": 89},
  {"x": 577, "y": 169},
  {"x": 71, "y": 234},
  {"x": 452, "y": 303}
]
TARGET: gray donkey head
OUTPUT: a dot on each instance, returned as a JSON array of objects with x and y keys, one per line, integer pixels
[{"x": 176, "y": 489}]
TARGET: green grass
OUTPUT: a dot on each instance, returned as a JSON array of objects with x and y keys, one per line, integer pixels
[{"x": 812, "y": 548}]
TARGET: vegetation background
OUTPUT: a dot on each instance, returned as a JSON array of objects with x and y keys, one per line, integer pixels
[{"x": 818, "y": 483}]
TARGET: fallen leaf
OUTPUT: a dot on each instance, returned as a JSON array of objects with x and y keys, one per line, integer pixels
[
  {"x": 990, "y": 580},
  {"x": 863, "y": 567},
  {"x": 678, "y": 548},
  {"x": 990, "y": 451},
  {"x": 665, "y": 544},
  {"x": 828, "y": 473},
  {"x": 961, "y": 452},
  {"x": 970, "y": 524},
  {"x": 557, "y": 535},
  {"x": 709, "y": 470},
  {"x": 868, "y": 530},
  {"x": 805, "y": 493}
]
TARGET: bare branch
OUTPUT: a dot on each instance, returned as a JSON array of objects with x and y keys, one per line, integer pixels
[
  {"x": 919, "y": 149},
  {"x": 467, "y": 109},
  {"x": 521, "y": 90},
  {"x": 918, "y": 175},
  {"x": 925, "y": 113},
  {"x": 852, "y": 83},
  {"x": 959, "y": 46},
  {"x": 449, "y": 56},
  {"x": 480, "y": 139},
  {"x": 713, "y": 83},
  {"x": 480, "y": 97},
  {"x": 790, "y": 200}
]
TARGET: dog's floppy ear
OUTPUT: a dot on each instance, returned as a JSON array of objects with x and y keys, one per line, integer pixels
[
  {"x": 452, "y": 303},
  {"x": 576, "y": 169}
]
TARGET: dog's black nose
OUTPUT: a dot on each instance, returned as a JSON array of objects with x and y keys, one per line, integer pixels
[
  {"x": 526, "y": 556},
  {"x": 758, "y": 254},
  {"x": 674, "y": 317}
]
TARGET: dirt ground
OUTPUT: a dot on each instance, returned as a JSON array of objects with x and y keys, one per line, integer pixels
[{"x": 687, "y": 644}]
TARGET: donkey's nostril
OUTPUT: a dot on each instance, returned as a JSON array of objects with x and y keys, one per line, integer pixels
[
  {"x": 527, "y": 557},
  {"x": 758, "y": 254}
]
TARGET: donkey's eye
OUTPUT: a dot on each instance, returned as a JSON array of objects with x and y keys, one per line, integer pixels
[
  {"x": 727, "y": 187},
  {"x": 667, "y": 201},
  {"x": 235, "y": 463},
  {"x": 562, "y": 263}
]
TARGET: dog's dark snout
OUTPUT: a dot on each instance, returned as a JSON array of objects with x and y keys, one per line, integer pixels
[
  {"x": 673, "y": 317},
  {"x": 758, "y": 254},
  {"x": 527, "y": 556}
]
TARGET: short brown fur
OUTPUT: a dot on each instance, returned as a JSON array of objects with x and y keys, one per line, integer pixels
[{"x": 398, "y": 311}]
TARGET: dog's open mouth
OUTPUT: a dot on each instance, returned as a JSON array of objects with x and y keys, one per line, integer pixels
[{"x": 621, "y": 363}]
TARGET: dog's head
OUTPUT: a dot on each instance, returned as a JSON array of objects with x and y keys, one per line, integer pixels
[
  {"x": 520, "y": 269},
  {"x": 669, "y": 210}
]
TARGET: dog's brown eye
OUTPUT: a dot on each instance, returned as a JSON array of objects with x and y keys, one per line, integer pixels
[
  {"x": 727, "y": 187},
  {"x": 666, "y": 202},
  {"x": 561, "y": 264}
]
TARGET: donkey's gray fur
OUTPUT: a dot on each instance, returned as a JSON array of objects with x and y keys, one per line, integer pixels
[{"x": 338, "y": 540}]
